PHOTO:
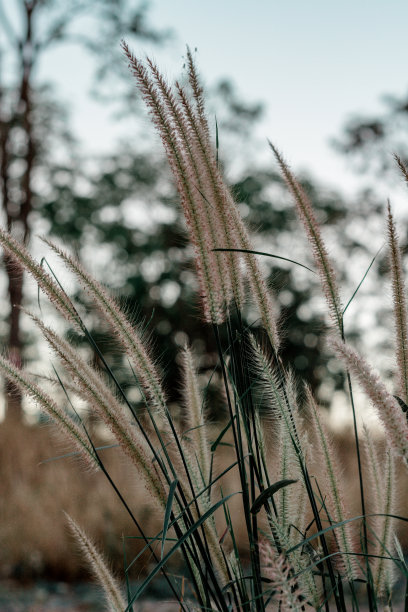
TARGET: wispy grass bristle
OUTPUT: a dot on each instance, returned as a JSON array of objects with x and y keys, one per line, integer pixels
[
  {"x": 68, "y": 427},
  {"x": 399, "y": 306},
  {"x": 387, "y": 407},
  {"x": 98, "y": 566},
  {"x": 127, "y": 334},
  {"x": 308, "y": 218}
]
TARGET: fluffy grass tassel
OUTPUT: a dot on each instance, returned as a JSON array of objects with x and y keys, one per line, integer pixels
[
  {"x": 323, "y": 264},
  {"x": 67, "y": 426},
  {"x": 99, "y": 568},
  {"x": 400, "y": 306},
  {"x": 387, "y": 407}
]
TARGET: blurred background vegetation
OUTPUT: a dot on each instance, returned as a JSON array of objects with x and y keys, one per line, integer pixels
[{"x": 119, "y": 211}]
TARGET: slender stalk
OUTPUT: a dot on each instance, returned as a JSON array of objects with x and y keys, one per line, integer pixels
[
  {"x": 236, "y": 430},
  {"x": 252, "y": 523},
  {"x": 362, "y": 497}
]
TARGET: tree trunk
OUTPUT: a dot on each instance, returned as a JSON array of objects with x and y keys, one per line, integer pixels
[{"x": 18, "y": 211}]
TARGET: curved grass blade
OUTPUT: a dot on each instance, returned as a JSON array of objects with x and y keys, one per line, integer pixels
[
  {"x": 221, "y": 435},
  {"x": 167, "y": 514},
  {"x": 268, "y": 255},
  {"x": 157, "y": 537},
  {"x": 268, "y": 493},
  {"x": 334, "y": 526},
  {"x": 174, "y": 549},
  {"x": 362, "y": 280}
]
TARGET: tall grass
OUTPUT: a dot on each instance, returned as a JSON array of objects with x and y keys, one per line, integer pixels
[{"x": 304, "y": 547}]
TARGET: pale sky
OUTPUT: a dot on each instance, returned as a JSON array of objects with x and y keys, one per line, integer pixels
[{"x": 313, "y": 64}]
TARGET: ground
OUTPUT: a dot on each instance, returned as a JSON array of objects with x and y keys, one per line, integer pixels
[
  {"x": 63, "y": 597},
  {"x": 77, "y": 597}
]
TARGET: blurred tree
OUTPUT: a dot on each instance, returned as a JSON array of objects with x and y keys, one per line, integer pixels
[
  {"x": 30, "y": 126},
  {"x": 372, "y": 140}
]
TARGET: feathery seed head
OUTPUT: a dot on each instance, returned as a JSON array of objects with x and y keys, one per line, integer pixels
[
  {"x": 195, "y": 416},
  {"x": 174, "y": 132},
  {"x": 399, "y": 306},
  {"x": 402, "y": 167},
  {"x": 373, "y": 469},
  {"x": 277, "y": 569},
  {"x": 275, "y": 390},
  {"x": 99, "y": 396},
  {"x": 47, "y": 284},
  {"x": 307, "y": 216},
  {"x": 67, "y": 426},
  {"x": 198, "y": 92},
  {"x": 383, "y": 572},
  {"x": 387, "y": 407},
  {"x": 211, "y": 214},
  {"x": 99, "y": 568}
]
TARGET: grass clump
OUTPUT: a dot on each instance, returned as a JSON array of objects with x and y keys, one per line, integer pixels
[{"x": 303, "y": 547}]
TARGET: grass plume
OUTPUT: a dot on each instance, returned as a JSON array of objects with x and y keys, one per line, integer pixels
[
  {"x": 99, "y": 568},
  {"x": 399, "y": 306},
  {"x": 387, "y": 407},
  {"x": 308, "y": 218}
]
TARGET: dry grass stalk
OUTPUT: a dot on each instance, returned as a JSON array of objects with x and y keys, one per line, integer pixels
[
  {"x": 67, "y": 426},
  {"x": 399, "y": 305},
  {"x": 323, "y": 264},
  {"x": 97, "y": 564},
  {"x": 387, "y": 407},
  {"x": 335, "y": 497}
]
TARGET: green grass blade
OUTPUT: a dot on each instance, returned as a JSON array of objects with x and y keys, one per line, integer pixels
[
  {"x": 361, "y": 282},
  {"x": 175, "y": 548},
  {"x": 221, "y": 435},
  {"x": 151, "y": 540},
  {"x": 297, "y": 263},
  {"x": 268, "y": 493},
  {"x": 167, "y": 514},
  {"x": 334, "y": 526}
]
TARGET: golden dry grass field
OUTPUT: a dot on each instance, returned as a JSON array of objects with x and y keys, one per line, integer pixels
[{"x": 34, "y": 539}]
